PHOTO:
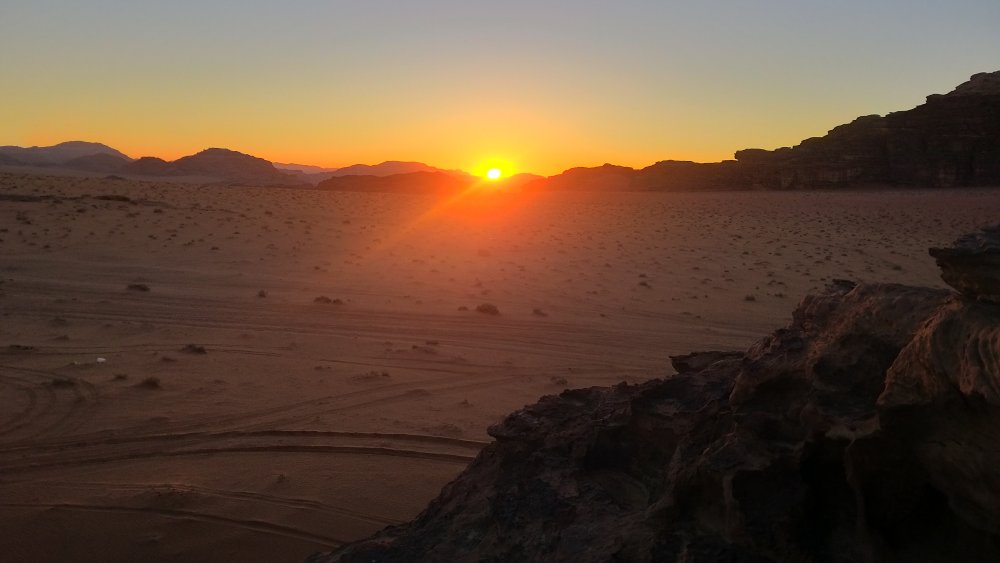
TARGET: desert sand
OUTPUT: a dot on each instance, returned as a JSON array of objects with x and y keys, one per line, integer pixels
[{"x": 205, "y": 373}]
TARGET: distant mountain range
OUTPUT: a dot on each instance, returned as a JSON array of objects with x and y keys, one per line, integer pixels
[
  {"x": 221, "y": 163},
  {"x": 951, "y": 140},
  {"x": 57, "y": 154},
  {"x": 214, "y": 164},
  {"x": 422, "y": 181}
]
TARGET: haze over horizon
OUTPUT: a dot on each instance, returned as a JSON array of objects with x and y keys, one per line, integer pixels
[{"x": 468, "y": 85}]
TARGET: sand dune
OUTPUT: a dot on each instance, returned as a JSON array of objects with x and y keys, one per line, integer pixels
[{"x": 223, "y": 411}]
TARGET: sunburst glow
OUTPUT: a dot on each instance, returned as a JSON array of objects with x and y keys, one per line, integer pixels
[{"x": 494, "y": 173}]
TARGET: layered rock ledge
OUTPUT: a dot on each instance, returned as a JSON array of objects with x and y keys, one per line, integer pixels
[{"x": 866, "y": 430}]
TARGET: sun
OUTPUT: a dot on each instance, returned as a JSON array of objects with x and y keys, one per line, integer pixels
[{"x": 494, "y": 173}]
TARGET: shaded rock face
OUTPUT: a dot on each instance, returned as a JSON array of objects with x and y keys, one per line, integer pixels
[
  {"x": 866, "y": 430},
  {"x": 972, "y": 264},
  {"x": 951, "y": 140}
]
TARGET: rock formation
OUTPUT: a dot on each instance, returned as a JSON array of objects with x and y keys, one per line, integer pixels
[
  {"x": 972, "y": 264},
  {"x": 150, "y": 166},
  {"x": 866, "y": 430},
  {"x": 413, "y": 182},
  {"x": 233, "y": 166},
  {"x": 951, "y": 140},
  {"x": 56, "y": 155},
  {"x": 387, "y": 168},
  {"x": 99, "y": 162}
]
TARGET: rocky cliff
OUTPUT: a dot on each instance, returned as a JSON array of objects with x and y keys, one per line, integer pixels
[
  {"x": 952, "y": 140},
  {"x": 866, "y": 430}
]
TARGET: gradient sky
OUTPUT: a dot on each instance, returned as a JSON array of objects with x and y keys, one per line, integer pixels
[{"x": 540, "y": 86}]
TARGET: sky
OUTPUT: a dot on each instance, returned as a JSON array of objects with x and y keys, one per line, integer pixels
[{"x": 536, "y": 86}]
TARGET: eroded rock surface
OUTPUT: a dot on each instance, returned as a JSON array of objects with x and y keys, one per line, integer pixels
[{"x": 972, "y": 264}]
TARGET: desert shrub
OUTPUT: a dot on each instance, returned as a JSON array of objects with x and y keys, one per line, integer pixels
[
  {"x": 487, "y": 309},
  {"x": 150, "y": 382}
]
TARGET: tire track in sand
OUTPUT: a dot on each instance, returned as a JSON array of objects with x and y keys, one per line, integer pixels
[{"x": 259, "y": 526}]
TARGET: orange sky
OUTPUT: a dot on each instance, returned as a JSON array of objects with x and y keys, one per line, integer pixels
[{"x": 537, "y": 86}]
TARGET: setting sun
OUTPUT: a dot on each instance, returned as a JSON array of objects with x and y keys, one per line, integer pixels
[{"x": 494, "y": 173}]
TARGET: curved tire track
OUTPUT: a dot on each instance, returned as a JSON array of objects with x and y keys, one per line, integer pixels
[{"x": 259, "y": 526}]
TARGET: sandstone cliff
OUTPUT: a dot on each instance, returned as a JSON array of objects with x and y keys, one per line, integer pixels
[
  {"x": 866, "y": 430},
  {"x": 952, "y": 140}
]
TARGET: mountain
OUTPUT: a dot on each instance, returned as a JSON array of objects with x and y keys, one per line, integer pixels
[
  {"x": 606, "y": 177},
  {"x": 305, "y": 168},
  {"x": 522, "y": 180},
  {"x": 951, "y": 140},
  {"x": 105, "y": 163},
  {"x": 864, "y": 431},
  {"x": 57, "y": 155},
  {"x": 231, "y": 165},
  {"x": 223, "y": 164},
  {"x": 412, "y": 182},
  {"x": 388, "y": 168},
  {"x": 436, "y": 181},
  {"x": 150, "y": 166}
]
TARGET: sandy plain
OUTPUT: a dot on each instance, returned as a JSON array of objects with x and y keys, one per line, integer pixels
[{"x": 223, "y": 413}]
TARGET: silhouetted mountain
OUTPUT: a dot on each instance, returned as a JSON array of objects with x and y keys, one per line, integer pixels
[
  {"x": 388, "y": 168},
  {"x": 232, "y": 165},
  {"x": 223, "y": 164},
  {"x": 951, "y": 140},
  {"x": 523, "y": 179},
  {"x": 413, "y": 182},
  {"x": 305, "y": 168},
  {"x": 150, "y": 166},
  {"x": 101, "y": 162},
  {"x": 57, "y": 155},
  {"x": 605, "y": 177},
  {"x": 425, "y": 182}
]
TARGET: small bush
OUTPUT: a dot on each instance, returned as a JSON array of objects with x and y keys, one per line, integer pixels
[
  {"x": 487, "y": 309},
  {"x": 150, "y": 382}
]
